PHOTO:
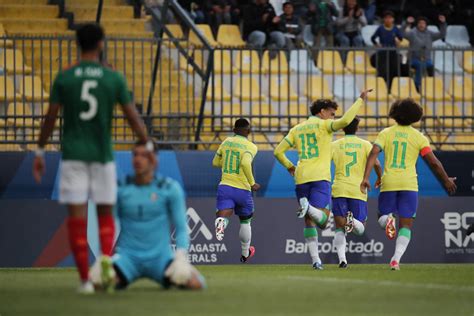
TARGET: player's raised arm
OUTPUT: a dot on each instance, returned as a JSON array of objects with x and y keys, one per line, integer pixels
[
  {"x": 347, "y": 118},
  {"x": 437, "y": 167},
  {"x": 371, "y": 160},
  {"x": 280, "y": 151}
]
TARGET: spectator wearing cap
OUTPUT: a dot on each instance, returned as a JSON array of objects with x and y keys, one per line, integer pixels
[
  {"x": 421, "y": 42},
  {"x": 290, "y": 26},
  {"x": 320, "y": 17}
]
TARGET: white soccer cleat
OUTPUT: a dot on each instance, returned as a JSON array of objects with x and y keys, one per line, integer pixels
[
  {"x": 349, "y": 227},
  {"x": 107, "y": 273},
  {"x": 304, "y": 206},
  {"x": 86, "y": 288},
  {"x": 220, "y": 227}
]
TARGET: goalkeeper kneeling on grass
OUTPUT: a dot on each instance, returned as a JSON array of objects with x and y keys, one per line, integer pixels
[{"x": 147, "y": 207}]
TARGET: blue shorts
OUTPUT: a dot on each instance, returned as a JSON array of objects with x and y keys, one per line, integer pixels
[
  {"x": 133, "y": 268},
  {"x": 239, "y": 200},
  {"x": 341, "y": 205},
  {"x": 318, "y": 193},
  {"x": 403, "y": 203}
]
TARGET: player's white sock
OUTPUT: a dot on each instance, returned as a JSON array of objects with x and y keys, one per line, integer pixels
[
  {"x": 311, "y": 238},
  {"x": 340, "y": 243},
  {"x": 245, "y": 235},
  {"x": 383, "y": 221},
  {"x": 359, "y": 228},
  {"x": 317, "y": 215},
  {"x": 403, "y": 239}
]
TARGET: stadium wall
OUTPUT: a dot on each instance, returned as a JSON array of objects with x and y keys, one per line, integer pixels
[{"x": 33, "y": 227}]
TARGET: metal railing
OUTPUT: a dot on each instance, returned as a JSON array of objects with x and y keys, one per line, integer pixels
[{"x": 199, "y": 90}]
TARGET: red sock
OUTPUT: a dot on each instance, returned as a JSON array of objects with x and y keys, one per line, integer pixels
[
  {"x": 77, "y": 227},
  {"x": 106, "y": 233}
]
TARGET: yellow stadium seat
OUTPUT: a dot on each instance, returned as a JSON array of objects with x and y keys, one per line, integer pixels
[
  {"x": 432, "y": 88},
  {"x": 10, "y": 147},
  {"x": 467, "y": 62},
  {"x": 359, "y": 62},
  {"x": 461, "y": 88},
  {"x": 126, "y": 26},
  {"x": 261, "y": 140},
  {"x": 32, "y": 89},
  {"x": 451, "y": 116},
  {"x": 281, "y": 89},
  {"x": 404, "y": 87},
  {"x": 7, "y": 90},
  {"x": 223, "y": 62},
  {"x": 367, "y": 122},
  {"x": 276, "y": 65},
  {"x": 220, "y": 93},
  {"x": 12, "y": 61},
  {"x": 6, "y": 43},
  {"x": 212, "y": 139},
  {"x": 198, "y": 58},
  {"x": 229, "y": 35},
  {"x": 464, "y": 141},
  {"x": 317, "y": 87},
  {"x": 32, "y": 11},
  {"x": 248, "y": 89},
  {"x": 177, "y": 33},
  {"x": 36, "y": 26},
  {"x": 230, "y": 113},
  {"x": 260, "y": 113},
  {"x": 206, "y": 32},
  {"x": 20, "y": 115},
  {"x": 330, "y": 62},
  {"x": 298, "y": 109},
  {"x": 380, "y": 93},
  {"x": 88, "y": 13},
  {"x": 247, "y": 61}
]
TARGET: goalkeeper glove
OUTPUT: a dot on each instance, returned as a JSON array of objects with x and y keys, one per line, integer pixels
[{"x": 180, "y": 270}]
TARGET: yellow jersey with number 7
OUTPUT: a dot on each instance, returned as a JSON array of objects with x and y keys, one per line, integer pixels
[
  {"x": 402, "y": 146},
  {"x": 349, "y": 155}
]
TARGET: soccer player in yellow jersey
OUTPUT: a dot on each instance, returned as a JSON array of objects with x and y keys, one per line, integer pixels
[
  {"x": 399, "y": 191},
  {"x": 349, "y": 205},
  {"x": 234, "y": 193},
  {"x": 312, "y": 138}
]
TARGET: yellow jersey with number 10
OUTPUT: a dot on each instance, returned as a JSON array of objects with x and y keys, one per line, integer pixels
[
  {"x": 402, "y": 146},
  {"x": 349, "y": 155},
  {"x": 235, "y": 156}
]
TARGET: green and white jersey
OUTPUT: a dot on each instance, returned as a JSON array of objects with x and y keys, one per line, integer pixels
[{"x": 87, "y": 93}]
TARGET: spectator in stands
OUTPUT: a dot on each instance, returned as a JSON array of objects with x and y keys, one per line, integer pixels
[
  {"x": 195, "y": 10},
  {"x": 421, "y": 42},
  {"x": 290, "y": 26},
  {"x": 221, "y": 12},
  {"x": 350, "y": 21},
  {"x": 301, "y": 7},
  {"x": 387, "y": 62},
  {"x": 260, "y": 24},
  {"x": 320, "y": 17}
]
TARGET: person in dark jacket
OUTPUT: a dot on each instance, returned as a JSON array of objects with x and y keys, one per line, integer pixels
[{"x": 290, "y": 26}]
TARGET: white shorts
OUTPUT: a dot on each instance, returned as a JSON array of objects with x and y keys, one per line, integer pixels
[{"x": 81, "y": 181}]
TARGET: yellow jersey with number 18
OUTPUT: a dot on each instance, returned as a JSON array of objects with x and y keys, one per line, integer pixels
[
  {"x": 234, "y": 157},
  {"x": 349, "y": 155},
  {"x": 402, "y": 146}
]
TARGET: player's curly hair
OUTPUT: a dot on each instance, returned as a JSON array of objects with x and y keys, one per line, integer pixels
[
  {"x": 320, "y": 104},
  {"x": 406, "y": 112}
]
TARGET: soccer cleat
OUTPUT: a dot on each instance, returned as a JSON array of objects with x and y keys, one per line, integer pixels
[
  {"x": 86, "y": 288},
  {"x": 220, "y": 226},
  {"x": 251, "y": 254},
  {"x": 343, "y": 265},
  {"x": 304, "y": 205},
  {"x": 394, "y": 265},
  {"x": 390, "y": 229},
  {"x": 318, "y": 266},
  {"x": 107, "y": 274},
  {"x": 349, "y": 227}
]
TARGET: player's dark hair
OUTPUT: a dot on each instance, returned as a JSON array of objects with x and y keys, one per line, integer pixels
[
  {"x": 388, "y": 13},
  {"x": 241, "y": 123},
  {"x": 406, "y": 112},
  {"x": 351, "y": 129},
  {"x": 320, "y": 104},
  {"x": 286, "y": 3},
  {"x": 88, "y": 36}
]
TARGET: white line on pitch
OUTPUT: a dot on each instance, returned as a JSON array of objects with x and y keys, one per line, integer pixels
[{"x": 430, "y": 286}]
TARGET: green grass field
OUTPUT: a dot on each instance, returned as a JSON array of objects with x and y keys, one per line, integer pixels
[{"x": 254, "y": 290}]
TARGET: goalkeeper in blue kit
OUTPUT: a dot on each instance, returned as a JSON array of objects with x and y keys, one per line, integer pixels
[{"x": 146, "y": 206}]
